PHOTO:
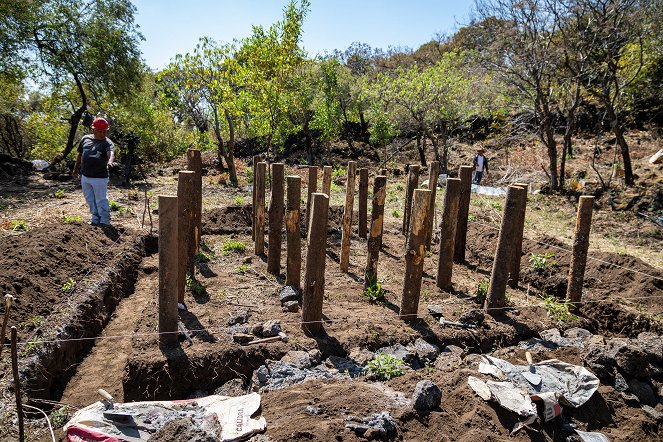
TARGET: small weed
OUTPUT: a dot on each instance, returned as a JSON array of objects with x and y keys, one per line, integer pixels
[
  {"x": 30, "y": 347},
  {"x": 221, "y": 294},
  {"x": 239, "y": 200},
  {"x": 335, "y": 188},
  {"x": 399, "y": 187},
  {"x": 392, "y": 196},
  {"x": 426, "y": 295},
  {"x": 203, "y": 256},
  {"x": 58, "y": 193},
  {"x": 339, "y": 172},
  {"x": 114, "y": 206},
  {"x": 542, "y": 262},
  {"x": 197, "y": 289},
  {"x": 385, "y": 367},
  {"x": 395, "y": 213},
  {"x": 132, "y": 194},
  {"x": 430, "y": 368},
  {"x": 69, "y": 219},
  {"x": 67, "y": 286},
  {"x": 248, "y": 175},
  {"x": 32, "y": 323},
  {"x": 59, "y": 417},
  {"x": 18, "y": 225},
  {"x": 481, "y": 291},
  {"x": 495, "y": 205},
  {"x": 373, "y": 290},
  {"x": 233, "y": 246},
  {"x": 557, "y": 309},
  {"x": 243, "y": 269},
  {"x": 471, "y": 218},
  {"x": 507, "y": 298}
]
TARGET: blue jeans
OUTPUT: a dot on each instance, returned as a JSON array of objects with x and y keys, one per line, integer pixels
[
  {"x": 94, "y": 191},
  {"x": 477, "y": 176}
]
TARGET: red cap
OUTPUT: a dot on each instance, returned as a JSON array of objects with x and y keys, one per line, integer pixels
[{"x": 100, "y": 123}]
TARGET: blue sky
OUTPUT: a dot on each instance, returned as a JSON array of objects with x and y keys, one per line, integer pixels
[{"x": 174, "y": 26}]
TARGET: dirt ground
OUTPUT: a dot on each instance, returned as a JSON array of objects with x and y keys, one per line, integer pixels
[{"x": 623, "y": 294}]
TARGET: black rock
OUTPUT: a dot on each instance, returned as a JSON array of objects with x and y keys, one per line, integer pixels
[
  {"x": 474, "y": 316},
  {"x": 288, "y": 294},
  {"x": 426, "y": 396},
  {"x": 239, "y": 317}
]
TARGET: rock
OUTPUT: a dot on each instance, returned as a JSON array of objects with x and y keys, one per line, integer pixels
[
  {"x": 198, "y": 394},
  {"x": 474, "y": 316},
  {"x": 242, "y": 338},
  {"x": 596, "y": 340},
  {"x": 239, "y": 317},
  {"x": 271, "y": 328},
  {"x": 313, "y": 410},
  {"x": 425, "y": 351},
  {"x": 426, "y": 396},
  {"x": 344, "y": 366},
  {"x": 653, "y": 413},
  {"x": 255, "y": 329},
  {"x": 620, "y": 383},
  {"x": 261, "y": 375},
  {"x": 399, "y": 351},
  {"x": 237, "y": 328},
  {"x": 435, "y": 310},
  {"x": 652, "y": 344},
  {"x": 576, "y": 338},
  {"x": 630, "y": 357},
  {"x": 454, "y": 349},
  {"x": 232, "y": 388},
  {"x": 298, "y": 358},
  {"x": 448, "y": 361},
  {"x": 599, "y": 362},
  {"x": 247, "y": 260},
  {"x": 578, "y": 333},
  {"x": 643, "y": 391},
  {"x": 361, "y": 356},
  {"x": 377, "y": 425},
  {"x": 291, "y": 306},
  {"x": 471, "y": 360},
  {"x": 288, "y": 294},
  {"x": 657, "y": 157},
  {"x": 316, "y": 356}
]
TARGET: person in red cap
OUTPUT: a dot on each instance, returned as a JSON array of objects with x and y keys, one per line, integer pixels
[{"x": 95, "y": 156}]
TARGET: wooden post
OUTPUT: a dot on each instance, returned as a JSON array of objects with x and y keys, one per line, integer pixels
[
  {"x": 185, "y": 188},
  {"x": 433, "y": 175},
  {"x": 375, "y": 235},
  {"x": 346, "y": 233},
  {"x": 498, "y": 279},
  {"x": 260, "y": 209},
  {"x": 382, "y": 172},
  {"x": 363, "y": 202},
  {"x": 194, "y": 163},
  {"x": 412, "y": 183},
  {"x": 580, "y": 246},
  {"x": 314, "y": 278},
  {"x": 415, "y": 254},
  {"x": 517, "y": 251},
  {"x": 448, "y": 234},
  {"x": 312, "y": 188},
  {"x": 294, "y": 244},
  {"x": 326, "y": 180},
  {"x": 168, "y": 270},
  {"x": 256, "y": 160},
  {"x": 275, "y": 220},
  {"x": 17, "y": 384},
  {"x": 465, "y": 175}
]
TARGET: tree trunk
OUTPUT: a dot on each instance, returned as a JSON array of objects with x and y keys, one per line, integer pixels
[
  {"x": 73, "y": 124},
  {"x": 551, "y": 145},
  {"x": 436, "y": 149},
  {"x": 230, "y": 151},
  {"x": 618, "y": 130},
  {"x": 309, "y": 143},
  {"x": 420, "y": 148},
  {"x": 444, "y": 164}
]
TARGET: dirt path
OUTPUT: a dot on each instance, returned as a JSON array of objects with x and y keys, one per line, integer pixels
[{"x": 104, "y": 366}]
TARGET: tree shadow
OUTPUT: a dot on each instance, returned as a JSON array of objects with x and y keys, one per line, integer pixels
[
  {"x": 205, "y": 270},
  {"x": 475, "y": 268},
  {"x": 390, "y": 255},
  {"x": 328, "y": 345},
  {"x": 195, "y": 328}
]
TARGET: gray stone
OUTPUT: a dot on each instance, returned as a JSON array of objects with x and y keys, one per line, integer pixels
[
  {"x": 298, "y": 358},
  {"x": 471, "y": 360},
  {"x": 239, "y": 317},
  {"x": 425, "y": 351},
  {"x": 261, "y": 375},
  {"x": 399, "y": 351},
  {"x": 288, "y": 294},
  {"x": 630, "y": 357},
  {"x": 316, "y": 356},
  {"x": 344, "y": 366},
  {"x": 620, "y": 382},
  {"x": 361, "y": 356},
  {"x": 599, "y": 362},
  {"x": 577, "y": 333},
  {"x": 291, "y": 306},
  {"x": 474, "y": 316},
  {"x": 381, "y": 423},
  {"x": 435, "y": 310},
  {"x": 282, "y": 374},
  {"x": 553, "y": 336},
  {"x": 232, "y": 388},
  {"x": 271, "y": 328},
  {"x": 643, "y": 391},
  {"x": 426, "y": 396},
  {"x": 448, "y": 361},
  {"x": 313, "y": 410},
  {"x": 652, "y": 345},
  {"x": 242, "y": 338},
  {"x": 237, "y": 328},
  {"x": 653, "y": 413},
  {"x": 454, "y": 349}
]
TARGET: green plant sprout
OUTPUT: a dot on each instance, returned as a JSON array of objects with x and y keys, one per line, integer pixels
[
  {"x": 339, "y": 172},
  {"x": 69, "y": 219},
  {"x": 59, "y": 417},
  {"x": 542, "y": 262},
  {"x": 67, "y": 286},
  {"x": 495, "y": 205},
  {"x": 481, "y": 291},
  {"x": 239, "y": 200},
  {"x": 18, "y": 225},
  {"x": 385, "y": 367},
  {"x": 373, "y": 290},
  {"x": 196, "y": 287},
  {"x": 395, "y": 213},
  {"x": 242, "y": 269},
  {"x": 58, "y": 193},
  {"x": 203, "y": 256},
  {"x": 557, "y": 309},
  {"x": 233, "y": 246}
]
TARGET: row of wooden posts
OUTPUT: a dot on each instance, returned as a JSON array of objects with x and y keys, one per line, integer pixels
[{"x": 179, "y": 235}]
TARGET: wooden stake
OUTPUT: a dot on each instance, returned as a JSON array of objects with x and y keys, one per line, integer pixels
[
  {"x": 194, "y": 163},
  {"x": 346, "y": 233},
  {"x": 168, "y": 270},
  {"x": 185, "y": 239},
  {"x": 415, "y": 254},
  {"x": 498, "y": 279},
  {"x": 580, "y": 247},
  {"x": 326, "y": 180},
  {"x": 314, "y": 279},
  {"x": 256, "y": 160},
  {"x": 17, "y": 384},
  {"x": 517, "y": 251},
  {"x": 382, "y": 172},
  {"x": 276, "y": 210},
  {"x": 294, "y": 239},
  {"x": 433, "y": 175},
  {"x": 465, "y": 175},
  {"x": 260, "y": 209},
  {"x": 375, "y": 235},
  {"x": 412, "y": 183},
  {"x": 363, "y": 202},
  {"x": 448, "y": 234},
  {"x": 312, "y": 188}
]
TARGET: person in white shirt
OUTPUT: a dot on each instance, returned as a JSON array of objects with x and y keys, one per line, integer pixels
[{"x": 480, "y": 164}]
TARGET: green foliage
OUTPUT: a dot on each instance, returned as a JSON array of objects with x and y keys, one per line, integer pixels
[
  {"x": 339, "y": 172},
  {"x": 395, "y": 213},
  {"x": 399, "y": 187},
  {"x": 205, "y": 256},
  {"x": 59, "y": 193},
  {"x": 18, "y": 225},
  {"x": 542, "y": 262},
  {"x": 68, "y": 286},
  {"x": 385, "y": 367},
  {"x": 196, "y": 288},
  {"x": 557, "y": 309},
  {"x": 481, "y": 291},
  {"x": 373, "y": 290},
  {"x": 59, "y": 417},
  {"x": 471, "y": 218},
  {"x": 392, "y": 196},
  {"x": 233, "y": 246},
  {"x": 32, "y": 323},
  {"x": 495, "y": 205},
  {"x": 70, "y": 219},
  {"x": 239, "y": 200},
  {"x": 248, "y": 175},
  {"x": 244, "y": 268},
  {"x": 121, "y": 210}
]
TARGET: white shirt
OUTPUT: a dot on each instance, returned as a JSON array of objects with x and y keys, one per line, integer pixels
[{"x": 480, "y": 161}]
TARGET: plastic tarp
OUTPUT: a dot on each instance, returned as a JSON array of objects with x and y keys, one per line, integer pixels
[{"x": 219, "y": 417}]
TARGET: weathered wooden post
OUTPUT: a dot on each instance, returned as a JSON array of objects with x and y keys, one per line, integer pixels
[
  {"x": 375, "y": 234},
  {"x": 326, "y": 180},
  {"x": 294, "y": 239},
  {"x": 185, "y": 188},
  {"x": 382, "y": 172},
  {"x": 433, "y": 175},
  {"x": 256, "y": 160},
  {"x": 168, "y": 270},
  {"x": 275, "y": 219},
  {"x": 312, "y": 188},
  {"x": 465, "y": 175},
  {"x": 580, "y": 246},
  {"x": 17, "y": 384},
  {"x": 194, "y": 163},
  {"x": 412, "y": 183},
  {"x": 414, "y": 254},
  {"x": 517, "y": 251},
  {"x": 260, "y": 209},
  {"x": 314, "y": 278},
  {"x": 346, "y": 233},
  {"x": 363, "y": 202},
  {"x": 448, "y": 234},
  {"x": 498, "y": 279}
]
